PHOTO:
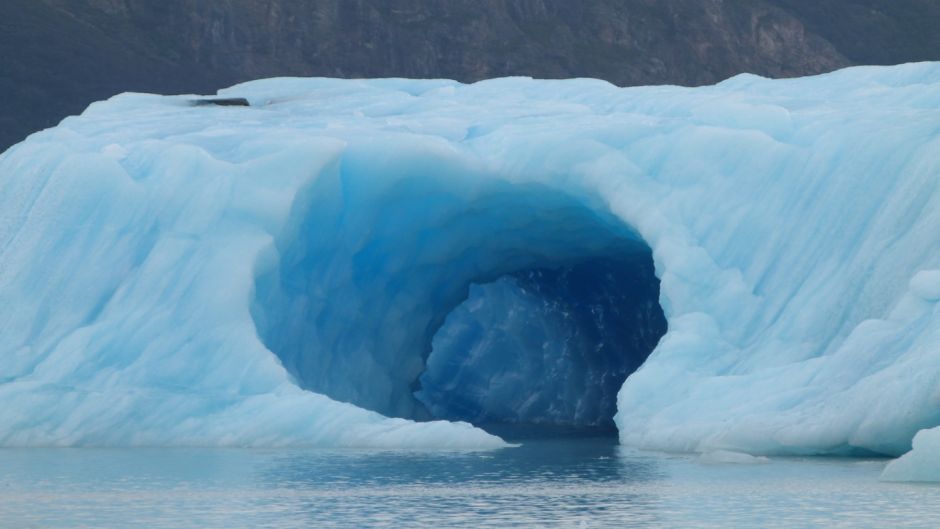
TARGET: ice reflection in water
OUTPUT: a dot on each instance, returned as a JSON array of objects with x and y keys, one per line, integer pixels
[{"x": 560, "y": 483}]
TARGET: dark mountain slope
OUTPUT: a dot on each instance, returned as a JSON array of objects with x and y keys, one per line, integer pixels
[{"x": 873, "y": 31}]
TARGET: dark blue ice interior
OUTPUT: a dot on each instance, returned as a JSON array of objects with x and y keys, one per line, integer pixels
[{"x": 546, "y": 346}]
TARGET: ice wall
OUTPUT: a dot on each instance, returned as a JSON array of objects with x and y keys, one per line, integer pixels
[{"x": 161, "y": 264}]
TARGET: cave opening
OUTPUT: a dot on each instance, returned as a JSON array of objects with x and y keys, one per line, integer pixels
[{"x": 461, "y": 298}]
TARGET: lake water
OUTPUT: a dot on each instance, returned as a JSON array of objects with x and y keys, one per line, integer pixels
[{"x": 569, "y": 482}]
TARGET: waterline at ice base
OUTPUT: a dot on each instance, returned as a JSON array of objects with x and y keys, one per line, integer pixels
[{"x": 751, "y": 267}]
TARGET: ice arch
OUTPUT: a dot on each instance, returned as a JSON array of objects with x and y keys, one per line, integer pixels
[
  {"x": 377, "y": 256},
  {"x": 793, "y": 225}
]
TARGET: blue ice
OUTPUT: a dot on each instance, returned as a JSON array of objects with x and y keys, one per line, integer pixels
[{"x": 281, "y": 274}]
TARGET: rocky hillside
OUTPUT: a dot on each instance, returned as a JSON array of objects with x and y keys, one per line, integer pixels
[{"x": 60, "y": 55}]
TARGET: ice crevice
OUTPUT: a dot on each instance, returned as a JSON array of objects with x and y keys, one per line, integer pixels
[{"x": 383, "y": 262}]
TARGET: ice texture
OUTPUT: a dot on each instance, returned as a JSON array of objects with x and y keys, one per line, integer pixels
[{"x": 174, "y": 274}]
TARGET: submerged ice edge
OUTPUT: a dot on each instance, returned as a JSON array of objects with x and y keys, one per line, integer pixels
[{"x": 792, "y": 224}]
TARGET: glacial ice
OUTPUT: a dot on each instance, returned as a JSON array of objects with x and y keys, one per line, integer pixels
[{"x": 178, "y": 274}]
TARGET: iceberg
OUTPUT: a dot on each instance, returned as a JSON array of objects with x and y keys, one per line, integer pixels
[{"x": 352, "y": 262}]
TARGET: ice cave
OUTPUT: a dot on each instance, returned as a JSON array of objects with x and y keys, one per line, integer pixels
[
  {"x": 462, "y": 299},
  {"x": 751, "y": 267}
]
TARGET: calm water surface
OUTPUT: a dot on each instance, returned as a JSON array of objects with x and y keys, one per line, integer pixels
[{"x": 543, "y": 483}]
